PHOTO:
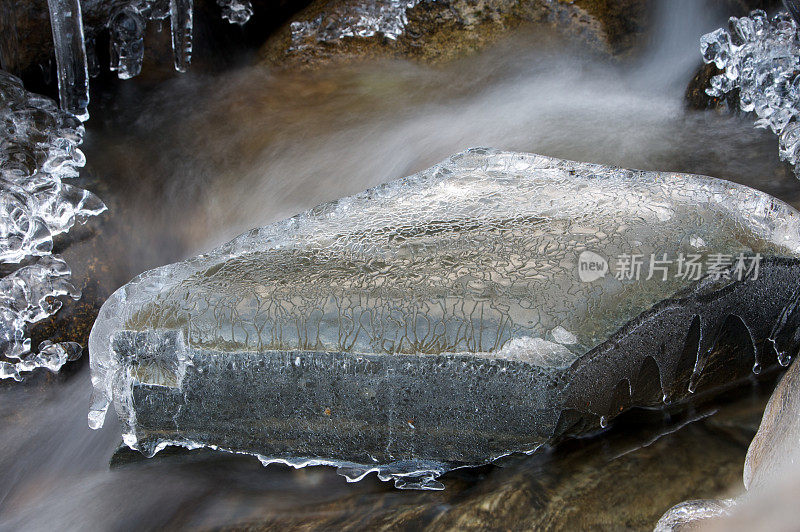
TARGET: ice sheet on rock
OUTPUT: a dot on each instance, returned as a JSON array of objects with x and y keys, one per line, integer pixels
[
  {"x": 360, "y": 18},
  {"x": 690, "y": 514},
  {"x": 451, "y": 283},
  {"x": 761, "y": 59},
  {"x": 38, "y": 150}
]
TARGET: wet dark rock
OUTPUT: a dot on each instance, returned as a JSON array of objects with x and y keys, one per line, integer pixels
[{"x": 597, "y": 483}]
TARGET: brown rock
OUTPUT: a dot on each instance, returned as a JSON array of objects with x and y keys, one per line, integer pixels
[{"x": 447, "y": 29}]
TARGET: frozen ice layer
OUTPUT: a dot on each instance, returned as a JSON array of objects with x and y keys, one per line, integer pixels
[
  {"x": 490, "y": 304},
  {"x": 355, "y": 19}
]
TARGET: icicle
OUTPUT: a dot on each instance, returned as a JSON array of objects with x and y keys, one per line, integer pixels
[
  {"x": 236, "y": 11},
  {"x": 127, "y": 42},
  {"x": 180, "y": 17},
  {"x": 70, "y": 49}
]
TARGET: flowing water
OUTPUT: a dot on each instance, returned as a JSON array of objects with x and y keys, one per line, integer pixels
[{"x": 188, "y": 163}]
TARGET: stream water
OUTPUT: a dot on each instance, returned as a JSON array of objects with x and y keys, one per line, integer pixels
[{"x": 190, "y": 162}]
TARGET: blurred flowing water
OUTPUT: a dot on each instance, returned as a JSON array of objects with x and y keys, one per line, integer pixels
[{"x": 193, "y": 161}]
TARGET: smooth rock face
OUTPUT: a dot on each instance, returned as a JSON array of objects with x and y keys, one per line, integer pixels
[
  {"x": 448, "y": 318},
  {"x": 774, "y": 450}
]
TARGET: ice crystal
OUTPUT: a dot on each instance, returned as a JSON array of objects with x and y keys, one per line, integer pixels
[
  {"x": 38, "y": 150},
  {"x": 761, "y": 59},
  {"x": 236, "y": 11},
  {"x": 355, "y": 19}
]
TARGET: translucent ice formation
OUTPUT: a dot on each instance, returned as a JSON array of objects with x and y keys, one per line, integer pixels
[
  {"x": 181, "y": 24},
  {"x": 761, "y": 59},
  {"x": 73, "y": 70},
  {"x": 355, "y": 19},
  {"x": 127, "y": 42},
  {"x": 236, "y": 11},
  {"x": 688, "y": 515},
  {"x": 493, "y": 303},
  {"x": 126, "y": 23},
  {"x": 38, "y": 150}
]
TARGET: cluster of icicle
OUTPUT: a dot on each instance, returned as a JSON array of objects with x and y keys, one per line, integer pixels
[
  {"x": 355, "y": 19},
  {"x": 38, "y": 150},
  {"x": 761, "y": 58},
  {"x": 126, "y": 25}
]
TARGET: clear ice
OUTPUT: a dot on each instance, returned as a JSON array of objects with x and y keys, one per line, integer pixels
[
  {"x": 761, "y": 59},
  {"x": 126, "y": 29},
  {"x": 688, "y": 515},
  {"x": 355, "y": 19},
  {"x": 70, "y": 48},
  {"x": 75, "y": 54},
  {"x": 438, "y": 319},
  {"x": 236, "y": 11},
  {"x": 181, "y": 24},
  {"x": 38, "y": 150}
]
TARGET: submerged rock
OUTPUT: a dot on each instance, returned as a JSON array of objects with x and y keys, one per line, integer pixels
[{"x": 491, "y": 304}]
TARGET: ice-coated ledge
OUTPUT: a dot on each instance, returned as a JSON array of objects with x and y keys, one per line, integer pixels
[{"x": 444, "y": 317}]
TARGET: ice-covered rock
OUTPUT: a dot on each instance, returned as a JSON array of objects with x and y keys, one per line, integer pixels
[
  {"x": 358, "y": 19},
  {"x": 761, "y": 59},
  {"x": 689, "y": 514},
  {"x": 440, "y": 30},
  {"x": 493, "y": 303},
  {"x": 38, "y": 151}
]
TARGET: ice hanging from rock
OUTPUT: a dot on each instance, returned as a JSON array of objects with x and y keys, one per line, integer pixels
[
  {"x": 126, "y": 25},
  {"x": 70, "y": 49},
  {"x": 126, "y": 29},
  {"x": 355, "y": 19},
  {"x": 236, "y": 11},
  {"x": 38, "y": 150},
  {"x": 761, "y": 59},
  {"x": 181, "y": 24}
]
